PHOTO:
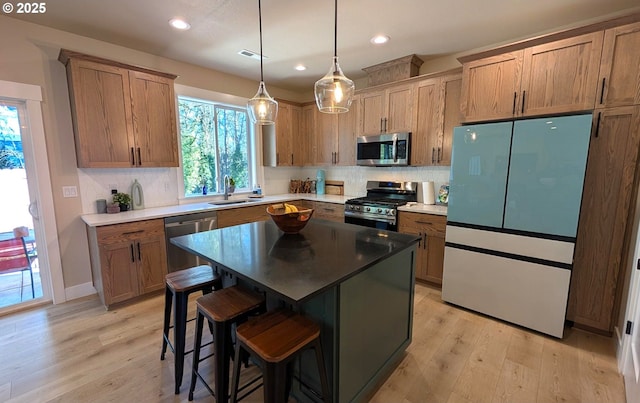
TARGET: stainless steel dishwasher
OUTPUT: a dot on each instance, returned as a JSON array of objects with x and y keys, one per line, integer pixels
[{"x": 180, "y": 259}]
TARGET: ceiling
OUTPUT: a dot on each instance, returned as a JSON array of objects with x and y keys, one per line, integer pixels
[{"x": 301, "y": 31}]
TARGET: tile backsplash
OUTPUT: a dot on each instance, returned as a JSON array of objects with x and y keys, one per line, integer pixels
[
  {"x": 354, "y": 177},
  {"x": 160, "y": 185}
]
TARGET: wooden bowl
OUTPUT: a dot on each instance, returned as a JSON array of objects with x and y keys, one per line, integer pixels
[{"x": 289, "y": 223}]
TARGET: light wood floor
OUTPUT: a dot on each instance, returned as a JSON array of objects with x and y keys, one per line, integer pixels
[{"x": 78, "y": 352}]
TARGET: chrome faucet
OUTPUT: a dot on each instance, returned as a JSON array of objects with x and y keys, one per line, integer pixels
[{"x": 226, "y": 187}]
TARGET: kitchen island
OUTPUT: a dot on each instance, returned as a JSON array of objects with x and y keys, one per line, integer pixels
[{"x": 356, "y": 282}]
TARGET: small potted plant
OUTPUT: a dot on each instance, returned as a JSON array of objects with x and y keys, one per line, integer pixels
[
  {"x": 123, "y": 200},
  {"x": 232, "y": 185}
]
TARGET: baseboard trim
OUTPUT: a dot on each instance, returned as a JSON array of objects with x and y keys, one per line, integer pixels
[{"x": 79, "y": 291}]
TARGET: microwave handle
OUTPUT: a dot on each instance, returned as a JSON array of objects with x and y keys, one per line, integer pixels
[{"x": 395, "y": 149}]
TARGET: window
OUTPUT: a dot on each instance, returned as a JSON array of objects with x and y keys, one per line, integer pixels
[{"x": 215, "y": 142}]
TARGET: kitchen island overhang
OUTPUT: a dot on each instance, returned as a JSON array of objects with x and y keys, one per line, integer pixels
[{"x": 357, "y": 282}]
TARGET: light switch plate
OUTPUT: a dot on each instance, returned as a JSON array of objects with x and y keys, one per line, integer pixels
[{"x": 69, "y": 191}]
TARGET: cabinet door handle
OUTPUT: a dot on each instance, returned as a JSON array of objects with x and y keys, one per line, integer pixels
[
  {"x": 385, "y": 124},
  {"x": 133, "y": 157},
  {"x": 602, "y": 91},
  {"x": 381, "y": 130},
  {"x": 133, "y": 257},
  {"x": 439, "y": 157},
  {"x": 426, "y": 240},
  {"x": 139, "y": 253},
  {"x": 598, "y": 124},
  {"x": 433, "y": 151},
  {"x": 515, "y": 97},
  {"x": 291, "y": 159},
  {"x": 139, "y": 157},
  {"x": 524, "y": 94}
]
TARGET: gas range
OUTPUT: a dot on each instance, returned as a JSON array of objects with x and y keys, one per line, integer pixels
[{"x": 378, "y": 208}]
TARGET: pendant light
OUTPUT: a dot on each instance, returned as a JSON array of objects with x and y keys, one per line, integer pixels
[
  {"x": 262, "y": 108},
  {"x": 334, "y": 91}
]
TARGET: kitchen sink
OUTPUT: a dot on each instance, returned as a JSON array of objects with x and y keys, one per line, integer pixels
[{"x": 233, "y": 201}]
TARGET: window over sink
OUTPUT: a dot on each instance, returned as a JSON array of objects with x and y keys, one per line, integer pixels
[{"x": 215, "y": 140}]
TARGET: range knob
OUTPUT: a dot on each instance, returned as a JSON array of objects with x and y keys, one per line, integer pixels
[
  {"x": 351, "y": 207},
  {"x": 379, "y": 210},
  {"x": 391, "y": 212},
  {"x": 367, "y": 209}
]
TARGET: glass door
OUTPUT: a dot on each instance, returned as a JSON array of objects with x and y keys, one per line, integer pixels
[
  {"x": 478, "y": 182},
  {"x": 548, "y": 160},
  {"x": 24, "y": 283}
]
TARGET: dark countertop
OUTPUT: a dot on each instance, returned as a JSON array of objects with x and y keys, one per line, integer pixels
[{"x": 295, "y": 267}]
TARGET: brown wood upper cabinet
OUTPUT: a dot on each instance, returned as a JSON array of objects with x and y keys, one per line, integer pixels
[
  {"x": 333, "y": 136},
  {"x": 289, "y": 149},
  {"x": 551, "y": 78},
  {"x": 123, "y": 116},
  {"x": 386, "y": 110},
  {"x": 437, "y": 102},
  {"x": 620, "y": 67}
]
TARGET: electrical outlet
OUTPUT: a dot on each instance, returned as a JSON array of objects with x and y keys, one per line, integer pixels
[
  {"x": 69, "y": 191},
  {"x": 112, "y": 187}
]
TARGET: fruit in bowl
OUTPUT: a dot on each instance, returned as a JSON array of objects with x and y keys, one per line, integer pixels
[{"x": 289, "y": 218}]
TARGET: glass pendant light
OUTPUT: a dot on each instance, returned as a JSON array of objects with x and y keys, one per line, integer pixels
[
  {"x": 262, "y": 108},
  {"x": 334, "y": 91}
]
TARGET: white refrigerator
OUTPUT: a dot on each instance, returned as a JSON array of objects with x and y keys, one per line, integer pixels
[{"x": 514, "y": 201}]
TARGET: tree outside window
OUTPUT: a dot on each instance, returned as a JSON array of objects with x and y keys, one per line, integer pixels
[{"x": 215, "y": 143}]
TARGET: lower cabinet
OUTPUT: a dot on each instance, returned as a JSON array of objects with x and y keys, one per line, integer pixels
[
  {"x": 328, "y": 211},
  {"x": 242, "y": 215},
  {"x": 431, "y": 230},
  {"x": 128, "y": 260}
]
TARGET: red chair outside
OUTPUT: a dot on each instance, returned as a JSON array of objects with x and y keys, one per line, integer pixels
[{"x": 14, "y": 258}]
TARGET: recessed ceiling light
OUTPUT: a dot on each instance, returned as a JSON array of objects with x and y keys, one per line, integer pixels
[
  {"x": 380, "y": 39},
  {"x": 300, "y": 67},
  {"x": 179, "y": 23}
]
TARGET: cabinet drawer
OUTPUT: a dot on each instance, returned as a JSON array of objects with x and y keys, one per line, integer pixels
[
  {"x": 242, "y": 215},
  {"x": 129, "y": 231},
  {"x": 433, "y": 225},
  {"x": 329, "y": 211}
]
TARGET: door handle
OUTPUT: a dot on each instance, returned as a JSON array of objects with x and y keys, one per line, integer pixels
[
  {"x": 133, "y": 258},
  {"x": 139, "y": 157},
  {"x": 139, "y": 253},
  {"x": 133, "y": 157},
  {"x": 524, "y": 94},
  {"x": 602, "y": 91},
  {"x": 33, "y": 209},
  {"x": 433, "y": 151}
]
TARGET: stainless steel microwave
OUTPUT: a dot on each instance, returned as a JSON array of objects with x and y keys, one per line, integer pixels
[{"x": 389, "y": 149}]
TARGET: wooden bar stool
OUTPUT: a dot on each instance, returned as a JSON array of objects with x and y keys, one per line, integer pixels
[
  {"x": 275, "y": 339},
  {"x": 179, "y": 285},
  {"x": 223, "y": 308}
]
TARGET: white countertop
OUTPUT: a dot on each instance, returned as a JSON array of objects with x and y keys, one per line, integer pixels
[
  {"x": 96, "y": 220},
  {"x": 424, "y": 208}
]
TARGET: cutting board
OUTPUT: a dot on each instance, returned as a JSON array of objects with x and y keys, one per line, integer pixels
[{"x": 334, "y": 187}]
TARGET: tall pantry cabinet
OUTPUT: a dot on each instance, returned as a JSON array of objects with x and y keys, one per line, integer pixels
[{"x": 604, "y": 237}]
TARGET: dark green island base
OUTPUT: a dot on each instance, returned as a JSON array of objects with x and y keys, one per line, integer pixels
[{"x": 357, "y": 282}]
